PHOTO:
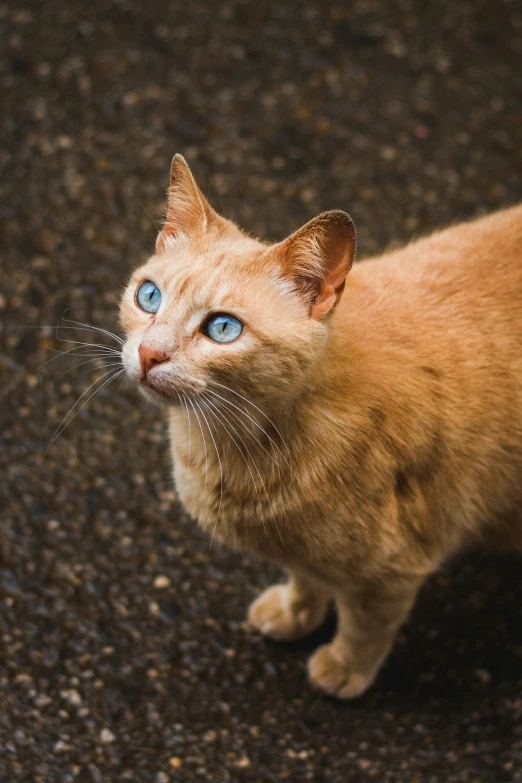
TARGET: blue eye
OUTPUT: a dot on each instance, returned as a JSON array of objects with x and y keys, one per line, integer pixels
[
  {"x": 149, "y": 297},
  {"x": 223, "y": 328}
]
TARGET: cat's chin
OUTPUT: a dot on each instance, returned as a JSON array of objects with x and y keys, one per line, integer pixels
[
  {"x": 158, "y": 397},
  {"x": 168, "y": 395}
]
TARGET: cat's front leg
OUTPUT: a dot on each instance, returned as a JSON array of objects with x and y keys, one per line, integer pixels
[
  {"x": 289, "y": 611},
  {"x": 368, "y": 621}
]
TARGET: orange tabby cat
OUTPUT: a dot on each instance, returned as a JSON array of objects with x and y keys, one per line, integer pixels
[{"x": 359, "y": 441}]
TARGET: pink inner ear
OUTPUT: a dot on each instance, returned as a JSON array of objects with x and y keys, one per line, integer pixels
[
  {"x": 330, "y": 291},
  {"x": 318, "y": 257},
  {"x": 328, "y": 300}
]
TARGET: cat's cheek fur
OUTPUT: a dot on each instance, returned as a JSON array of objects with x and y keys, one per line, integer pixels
[
  {"x": 130, "y": 358},
  {"x": 276, "y": 365}
]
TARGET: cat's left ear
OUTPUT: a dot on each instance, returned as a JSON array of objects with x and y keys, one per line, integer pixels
[
  {"x": 317, "y": 259},
  {"x": 188, "y": 210}
]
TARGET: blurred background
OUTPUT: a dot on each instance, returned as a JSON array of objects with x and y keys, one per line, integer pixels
[{"x": 125, "y": 656}]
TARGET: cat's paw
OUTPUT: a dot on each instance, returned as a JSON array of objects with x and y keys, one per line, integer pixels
[
  {"x": 278, "y": 615},
  {"x": 331, "y": 675}
]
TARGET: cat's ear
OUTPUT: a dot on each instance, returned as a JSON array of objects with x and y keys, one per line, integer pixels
[
  {"x": 317, "y": 259},
  {"x": 188, "y": 210}
]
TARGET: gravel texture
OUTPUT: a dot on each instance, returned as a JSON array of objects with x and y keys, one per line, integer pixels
[{"x": 125, "y": 656}]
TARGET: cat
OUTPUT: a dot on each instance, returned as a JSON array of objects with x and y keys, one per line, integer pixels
[{"x": 355, "y": 427}]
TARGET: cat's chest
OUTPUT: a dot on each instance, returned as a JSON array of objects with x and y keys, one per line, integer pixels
[
  {"x": 208, "y": 494},
  {"x": 239, "y": 498}
]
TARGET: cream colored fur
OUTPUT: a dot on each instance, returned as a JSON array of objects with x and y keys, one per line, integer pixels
[{"x": 358, "y": 442}]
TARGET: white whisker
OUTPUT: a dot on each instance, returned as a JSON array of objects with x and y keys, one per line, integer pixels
[
  {"x": 80, "y": 342},
  {"x": 245, "y": 413},
  {"x": 104, "y": 350},
  {"x": 79, "y": 324},
  {"x": 204, "y": 440},
  {"x": 256, "y": 442},
  {"x": 220, "y": 474},
  {"x": 91, "y": 369},
  {"x": 224, "y": 419},
  {"x": 98, "y": 367},
  {"x": 256, "y": 469},
  {"x": 251, "y": 434},
  {"x": 189, "y": 427},
  {"x": 215, "y": 383},
  {"x": 66, "y": 420}
]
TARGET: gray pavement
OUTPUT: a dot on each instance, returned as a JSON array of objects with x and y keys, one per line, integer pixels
[{"x": 124, "y": 651}]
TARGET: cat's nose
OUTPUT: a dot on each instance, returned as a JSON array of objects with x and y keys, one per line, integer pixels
[{"x": 150, "y": 357}]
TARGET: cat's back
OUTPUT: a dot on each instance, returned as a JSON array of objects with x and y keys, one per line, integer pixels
[
  {"x": 432, "y": 334},
  {"x": 469, "y": 274}
]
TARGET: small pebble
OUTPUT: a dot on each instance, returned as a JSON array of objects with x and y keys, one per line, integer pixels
[
  {"x": 106, "y": 736},
  {"x": 161, "y": 582}
]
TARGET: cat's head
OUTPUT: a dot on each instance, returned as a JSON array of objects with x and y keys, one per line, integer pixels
[{"x": 215, "y": 307}]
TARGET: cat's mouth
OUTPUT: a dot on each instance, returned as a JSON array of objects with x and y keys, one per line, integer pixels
[
  {"x": 156, "y": 393},
  {"x": 162, "y": 392}
]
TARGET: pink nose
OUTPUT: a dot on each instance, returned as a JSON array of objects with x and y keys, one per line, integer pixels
[{"x": 150, "y": 357}]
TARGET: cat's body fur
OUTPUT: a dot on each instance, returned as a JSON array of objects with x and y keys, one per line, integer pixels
[{"x": 400, "y": 445}]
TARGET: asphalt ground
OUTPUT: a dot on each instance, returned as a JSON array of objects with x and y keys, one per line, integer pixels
[{"x": 125, "y": 656}]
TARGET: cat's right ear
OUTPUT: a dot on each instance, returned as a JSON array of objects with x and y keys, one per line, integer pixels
[{"x": 188, "y": 211}]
